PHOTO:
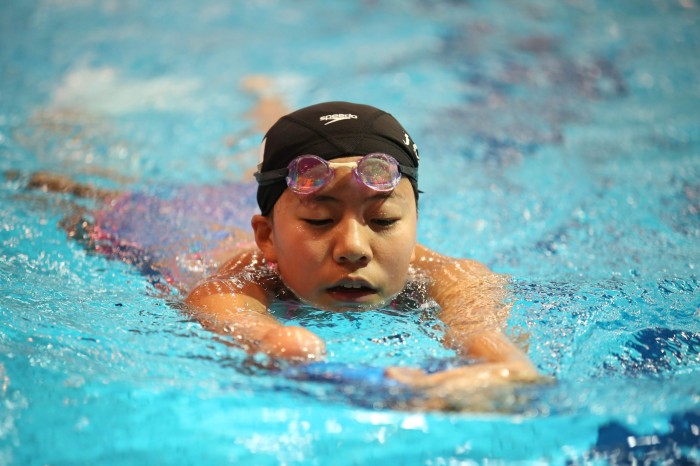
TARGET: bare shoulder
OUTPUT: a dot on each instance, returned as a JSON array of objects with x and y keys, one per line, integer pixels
[
  {"x": 245, "y": 259},
  {"x": 427, "y": 259},
  {"x": 471, "y": 296},
  {"x": 244, "y": 274}
]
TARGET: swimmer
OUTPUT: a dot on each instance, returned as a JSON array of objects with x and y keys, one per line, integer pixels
[{"x": 338, "y": 196}]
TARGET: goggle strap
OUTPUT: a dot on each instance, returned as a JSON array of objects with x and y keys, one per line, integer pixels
[
  {"x": 410, "y": 172},
  {"x": 271, "y": 177}
]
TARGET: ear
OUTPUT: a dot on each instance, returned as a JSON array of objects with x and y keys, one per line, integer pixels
[{"x": 264, "y": 238}]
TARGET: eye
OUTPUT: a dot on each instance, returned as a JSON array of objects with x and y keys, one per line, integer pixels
[
  {"x": 384, "y": 222},
  {"x": 317, "y": 222}
]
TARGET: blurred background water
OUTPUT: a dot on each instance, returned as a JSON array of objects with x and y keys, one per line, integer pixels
[{"x": 560, "y": 143}]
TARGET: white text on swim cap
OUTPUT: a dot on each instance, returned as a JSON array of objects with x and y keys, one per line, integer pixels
[
  {"x": 338, "y": 117},
  {"x": 407, "y": 141}
]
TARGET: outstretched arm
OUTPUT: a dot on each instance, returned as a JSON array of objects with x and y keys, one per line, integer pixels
[
  {"x": 472, "y": 302},
  {"x": 234, "y": 302}
]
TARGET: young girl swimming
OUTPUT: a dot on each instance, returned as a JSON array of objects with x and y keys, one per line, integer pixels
[{"x": 338, "y": 194}]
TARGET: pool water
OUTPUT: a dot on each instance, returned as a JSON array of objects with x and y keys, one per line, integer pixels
[{"x": 560, "y": 144}]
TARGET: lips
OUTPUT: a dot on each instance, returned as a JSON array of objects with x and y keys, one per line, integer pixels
[{"x": 351, "y": 291}]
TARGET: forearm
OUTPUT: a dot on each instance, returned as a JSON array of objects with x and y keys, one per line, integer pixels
[
  {"x": 246, "y": 319},
  {"x": 476, "y": 331},
  {"x": 473, "y": 305},
  {"x": 224, "y": 309},
  {"x": 501, "y": 361}
]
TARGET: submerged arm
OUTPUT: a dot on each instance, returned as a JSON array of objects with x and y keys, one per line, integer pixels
[
  {"x": 472, "y": 303},
  {"x": 235, "y": 301}
]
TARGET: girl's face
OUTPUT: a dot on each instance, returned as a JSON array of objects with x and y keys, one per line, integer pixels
[{"x": 345, "y": 246}]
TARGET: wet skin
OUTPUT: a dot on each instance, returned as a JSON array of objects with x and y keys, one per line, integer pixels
[
  {"x": 344, "y": 247},
  {"x": 348, "y": 247}
]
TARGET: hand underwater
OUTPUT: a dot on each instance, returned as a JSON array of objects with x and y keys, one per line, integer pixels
[
  {"x": 479, "y": 387},
  {"x": 467, "y": 377}
]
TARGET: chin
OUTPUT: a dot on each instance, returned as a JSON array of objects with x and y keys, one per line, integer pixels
[
  {"x": 339, "y": 306},
  {"x": 344, "y": 307}
]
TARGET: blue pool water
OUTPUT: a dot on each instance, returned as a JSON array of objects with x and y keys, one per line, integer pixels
[{"x": 560, "y": 144}]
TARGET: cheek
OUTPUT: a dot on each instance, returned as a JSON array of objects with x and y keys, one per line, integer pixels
[
  {"x": 397, "y": 252},
  {"x": 296, "y": 254},
  {"x": 408, "y": 247}
]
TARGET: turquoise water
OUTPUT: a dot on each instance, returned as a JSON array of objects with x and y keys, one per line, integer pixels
[{"x": 560, "y": 144}]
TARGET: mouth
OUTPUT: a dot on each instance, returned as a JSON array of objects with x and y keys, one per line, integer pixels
[{"x": 352, "y": 291}]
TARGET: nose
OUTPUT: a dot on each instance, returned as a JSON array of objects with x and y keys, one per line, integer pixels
[{"x": 352, "y": 243}]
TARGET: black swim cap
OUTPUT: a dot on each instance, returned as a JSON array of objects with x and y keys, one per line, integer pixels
[{"x": 331, "y": 130}]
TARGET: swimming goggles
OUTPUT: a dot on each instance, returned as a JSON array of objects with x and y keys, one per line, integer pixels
[{"x": 307, "y": 174}]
